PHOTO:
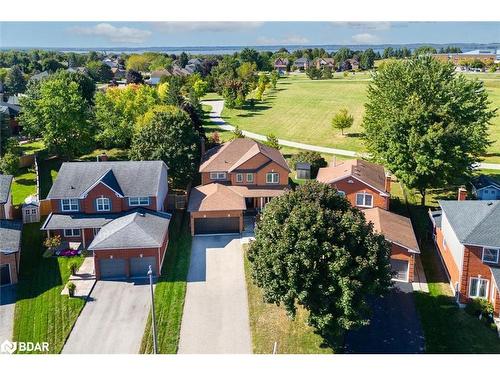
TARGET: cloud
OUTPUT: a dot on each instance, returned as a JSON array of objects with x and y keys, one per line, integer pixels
[
  {"x": 371, "y": 26},
  {"x": 214, "y": 27},
  {"x": 292, "y": 39},
  {"x": 365, "y": 38},
  {"x": 113, "y": 33}
]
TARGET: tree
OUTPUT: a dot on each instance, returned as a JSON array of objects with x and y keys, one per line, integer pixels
[
  {"x": 342, "y": 120},
  {"x": 427, "y": 124},
  {"x": 138, "y": 62},
  {"x": 388, "y": 53},
  {"x": 262, "y": 85},
  {"x": 51, "y": 65},
  {"x": 313, "y": 249},
  {"x": 367, "y": 59},
  {"x": 183, "y": 59},
  {"x": 342, "y": 54},
  {"x": 9, "y": 163},
  {"x": 424, "y": 50},
  {"x": 312, "y": 157},
  {"x": 160, "y": 62},
  {"x": 327, "y": 73},
  {"x": 99, "y": 71},
  {"x": 15, "y": 81},
  {"x": 135, "y": 77},
  {"x": 174, "y": 92},
  {"x": 272, "y": 141},
  {"x": 274, "y": 78},
  {"x": 237, "y": 133},
  {"x": 169, "y": 136},
  {"x": 313, "y": 73}
]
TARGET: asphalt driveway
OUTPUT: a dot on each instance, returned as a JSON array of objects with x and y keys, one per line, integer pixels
[
  {"x": 113, "y": 320},
  {"x": 395, "y": 326},
  {"x": 215, "y": 319},
  {"x": 7, "y": 305}
]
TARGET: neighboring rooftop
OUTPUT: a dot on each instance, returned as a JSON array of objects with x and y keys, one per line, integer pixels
[
  {"x": 483, "y": 181},
  {"x": 474, "y": 222},
  {"x": 5, "y": 186},
  {"x": 10, "y": 236}
]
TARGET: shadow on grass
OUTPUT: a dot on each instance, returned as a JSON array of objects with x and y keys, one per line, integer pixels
[
  {"x": 355, "y": 135},
  {"x": 46, "y": 167},
  {"x": 24, "y": 181}
]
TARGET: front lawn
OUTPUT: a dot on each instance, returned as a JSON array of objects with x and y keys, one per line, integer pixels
[
  {"x": 41, "y": 313},
  {"x": 171, "y": 289}
]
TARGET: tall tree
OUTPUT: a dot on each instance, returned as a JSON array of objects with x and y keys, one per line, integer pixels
[
  {"x": 342, "y": 120},
  {"x": 15, "y": 81},
  {"x": 99, "y": 71},
  {"x": 183, "y": 59},
  {"x": 427, "y": 124},
  {"x": 135, "y": 77},
  {"x": 367, "y": 59},
  {"x": 313, "y": 249}
]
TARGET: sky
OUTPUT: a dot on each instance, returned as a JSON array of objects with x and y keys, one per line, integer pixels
[{"x": 177, "y": 34}]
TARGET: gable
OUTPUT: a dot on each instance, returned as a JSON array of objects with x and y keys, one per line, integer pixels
[{"x": 255, "y": 162}]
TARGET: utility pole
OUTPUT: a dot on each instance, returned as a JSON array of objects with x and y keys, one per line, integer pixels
[{"x": 153, "y": 316}]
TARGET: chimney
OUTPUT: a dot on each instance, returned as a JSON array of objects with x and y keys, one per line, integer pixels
[
  {"x": 462, "y": 193},
  {"x": 102, "y": 157},
  {"x": 388, "y": 183}
]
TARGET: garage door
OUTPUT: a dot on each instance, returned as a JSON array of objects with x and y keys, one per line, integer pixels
[
  {"x": 112, "y": 268},
  {"x": 217, "y": 225},
  {"x": 5, "y": 271},
  {"x": 401, "y": 269},
  {"x": 139, "y": 266}
]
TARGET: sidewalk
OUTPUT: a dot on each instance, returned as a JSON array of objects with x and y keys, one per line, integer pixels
[
  {"x": 84, "y": 279},
  {"x": 420, "y": 283}
]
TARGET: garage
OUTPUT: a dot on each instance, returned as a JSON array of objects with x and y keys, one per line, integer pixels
[
  {"x": 113, "y": 268},
  {"x": 139, "y": 266},
  {"x": 401, "y": 269},
  {"x": 5, "y": 274},
  {"x": 216, "y": 225}
]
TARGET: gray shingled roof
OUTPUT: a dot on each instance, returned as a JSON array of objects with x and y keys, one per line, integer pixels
[
  {"x": 77, "y": 221},
  {"x": 483, "y": 181},
  {"x": 10, "y": 236},
  {"x": 137, "y": 229},
  {"x": 495, "y": 271},
  {"x": 5, "y": 184},
  {"x": 129, "y": 178},
  {"x": 474, "y": 222}
]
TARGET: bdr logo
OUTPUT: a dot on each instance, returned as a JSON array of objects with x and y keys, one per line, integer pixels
[{"x": 10, "y": 347}]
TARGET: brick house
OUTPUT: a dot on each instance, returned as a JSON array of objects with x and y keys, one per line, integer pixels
[
  {"x": 467, "y": 238},
  {"x": 302, "y": 63},
  {"x": 115, "y": 210},
  {"x": 325, "y": 62},
  {"x": 237, "y": 177},
  {"x": 281, "y": 65}
]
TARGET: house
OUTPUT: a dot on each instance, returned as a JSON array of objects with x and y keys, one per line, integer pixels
[
  {"x": 11, "y": 111},
  {"x": 6, "y": 196},
  {"x": 157, "y": 75},
  {"x": 196, "y": 61},
  {"x": 39, "y": 76},
  {"x": 118, "y": 74},
  {"x": 237, "y": 178},
  {"x": 398, "y": 231},
  {"x": 350, "y": 64},
  {"x": 467, "y": 238},
  {"x": 325, "y": 62},
  {"x": 111, "y": 63},
  {"x": 302, "y": 63},
  {"x": 364, "y": 184},
  {"x": 485, "y": 188},
  {"x": 10, "y": 250},
  {"x": 281, "y": 65},
  {"x": 487, "y": 57},
  {"x": 114, "y": 209}
]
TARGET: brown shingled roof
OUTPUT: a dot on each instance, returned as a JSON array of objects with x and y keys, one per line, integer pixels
[
  {"x": 395, "y": 228},
  {"x": 370, "y": 173},
  {"x": 230, "y": 155}
]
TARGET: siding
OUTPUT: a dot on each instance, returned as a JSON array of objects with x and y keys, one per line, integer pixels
[{"x": 452, "y": 243}]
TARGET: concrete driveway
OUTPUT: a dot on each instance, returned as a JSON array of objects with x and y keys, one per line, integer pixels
[
  {"x": 215, "y": 319},
  {"x": 395, "y": 326},
  {"x": 113, "y": 320},
  {"x": 7, "y": 305}
]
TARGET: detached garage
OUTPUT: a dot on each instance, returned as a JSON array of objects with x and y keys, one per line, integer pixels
[{"x": 10, "y": 250}]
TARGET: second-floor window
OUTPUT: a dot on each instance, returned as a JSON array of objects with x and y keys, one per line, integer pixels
[
  {"x": 68, "y": 205},
  {"x": 478, "y": 288},
  {"x": 217, "y": 175},
  {"x": 239, "y": 177},
  {"x": 490, "y": 255},
  {"x": 103, "y": 204},
  {"x": 364, "y": 200},
  {"x": 250, "y": 177},
  {"x": 138, "y": 201},
  {"x": 272, "y": 178}
]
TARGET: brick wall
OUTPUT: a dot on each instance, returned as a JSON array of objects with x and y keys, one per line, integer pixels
[
  {"x": 350, "y": 186},
  {"x": 400, "y": 253},
  {"x": 473, "y": 266},
  {"x": 13, "y": 261},
  {"x": 216, "y": 214},
  {"x": 125, "y": 254}
]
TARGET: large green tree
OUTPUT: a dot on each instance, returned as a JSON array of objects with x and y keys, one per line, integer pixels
[
  {"x": 169, "y": 136},
  {"x": 313, "y": 249},
  {"x": 99, "y": 71},
  {"x": 426, "y": 123},
  {"x": 15, "y": 81}
]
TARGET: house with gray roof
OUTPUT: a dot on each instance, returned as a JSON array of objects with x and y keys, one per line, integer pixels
[
  {"x": 467, "y": 238},
  {"x": 6, "y": 196},
  {"x": 485, "y": 188},
  {"x": 116, "y": 210},
  {"x": 10, "y": 250}
]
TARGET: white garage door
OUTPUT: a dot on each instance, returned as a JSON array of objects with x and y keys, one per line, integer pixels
[
  {"x": 112, "y": 268},
  {"x": 139, "y": 267},
  {"x": 401, "y": 269}
]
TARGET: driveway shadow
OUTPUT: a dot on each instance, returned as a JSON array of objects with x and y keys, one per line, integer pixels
[{"x": 7, "y": 295}]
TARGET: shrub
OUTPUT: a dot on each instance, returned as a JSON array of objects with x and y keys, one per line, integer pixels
[
  {"x": 478, "y": 306},
  {"x": 9, "y": 163},
  {"x": 71, "y": 288},
  {"x": 213, "y": 140},
  {"x": 73, "y": 266},
  {"x": 52, "y": 242},
  {"x": 312, "y": 157}
]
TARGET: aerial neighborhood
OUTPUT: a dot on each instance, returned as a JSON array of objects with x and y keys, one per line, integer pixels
[{"x": 346, "y": 201}]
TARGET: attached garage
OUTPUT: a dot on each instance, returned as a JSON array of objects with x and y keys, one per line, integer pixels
[
  {"x": 401, "y": 268},
  {"x": 5, "y": 274},
  {"x": 139, "y": 267},
  {"x": 115, "y": 268},
  {"x": 216, "y": 225}
]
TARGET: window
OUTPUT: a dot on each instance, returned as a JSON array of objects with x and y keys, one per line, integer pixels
[
  {"x": 364, "y": 200},
  {"x": 217, "y": 175},
  {"x": 341, "y": 193},
  {"x": 239, "y": 177},
  {"x": 490, "y": 255},
  {"x": 72, "y": 233},
  {"x": 138, "y": 201},
  {"x": 478, "y": 288},
  {"x": 250, "y": 177},
  {"x": 103, "y": 204},
  {"x": 69, "y": 205},
  {"x": 272, "y": 178}
]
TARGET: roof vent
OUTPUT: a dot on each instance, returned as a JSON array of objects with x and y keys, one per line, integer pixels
[
  {"x": 72, "y": 187},
  {"x": 489, "y": 203}
]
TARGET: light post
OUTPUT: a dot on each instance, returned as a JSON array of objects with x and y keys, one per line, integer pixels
[{"x": 153, "y": 317}]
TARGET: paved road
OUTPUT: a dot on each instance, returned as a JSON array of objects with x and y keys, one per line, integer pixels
[
  {"x": 215, "y": 117},
  {"x": 215, "y": 319},
  {"x": 112, "y": 321},
  {"x": 395, "y": 326},
  {"x": 7, "y": 305}
]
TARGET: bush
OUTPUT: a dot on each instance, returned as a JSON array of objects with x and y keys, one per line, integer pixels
[
  {"x": 312, "y": 157},
  {"x": 9, "y": 163},
  {"x": 52, "y": 242},
  {"x": 478, "y": 306},
  {"x": 71, "y": 288},
  {"x": 212, "y": 140},
  {"x": 73, "y": 266}
]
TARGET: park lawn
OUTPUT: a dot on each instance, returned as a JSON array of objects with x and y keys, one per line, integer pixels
[
  {"x": 269, "y": 323},
  {"x": 447, "y": 328},
  {"x": 42, "y": 314},
  {"x": 170, "y": 289}
]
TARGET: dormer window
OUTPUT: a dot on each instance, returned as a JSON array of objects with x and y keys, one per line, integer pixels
[
  {"x": 364, "y": 200},
  {"x": 69, "y": 205},
  {"x": 490, "y": 255},
  {"x": 103, "y": 204}
]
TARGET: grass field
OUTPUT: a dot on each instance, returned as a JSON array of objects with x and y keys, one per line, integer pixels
[
  {"x": 301, "y": 110},
  {"x": 41, "y": 313},
  {"x": 171, "y": 289}
]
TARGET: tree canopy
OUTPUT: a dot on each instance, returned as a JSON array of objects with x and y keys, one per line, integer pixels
[{"x": 342, "y": 120}]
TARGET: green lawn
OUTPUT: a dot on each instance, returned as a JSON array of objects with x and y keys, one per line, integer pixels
[
  {"x": 32, "y": 147},
  {"x": 301, "y": 110},
  {"x": 41, "y": 313},
  {"x": 171, "y": 289},
  {"x": 269, "y": 323},
  {"x": 447, "y": 328},
  {"x": 24, "y": 184}
]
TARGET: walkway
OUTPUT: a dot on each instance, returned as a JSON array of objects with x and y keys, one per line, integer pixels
[
  {"x": 215, "y": 117},
  {"x": 84, "y": 279},
  {"x": 7, "y": 305}
]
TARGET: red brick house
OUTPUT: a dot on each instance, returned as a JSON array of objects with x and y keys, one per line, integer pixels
[
  {"x": 281, "y": 65},
  {"x": 115, "y": 210},
  {"x": 236, "y": 177},
  {"x": 467, "y": 238}
]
